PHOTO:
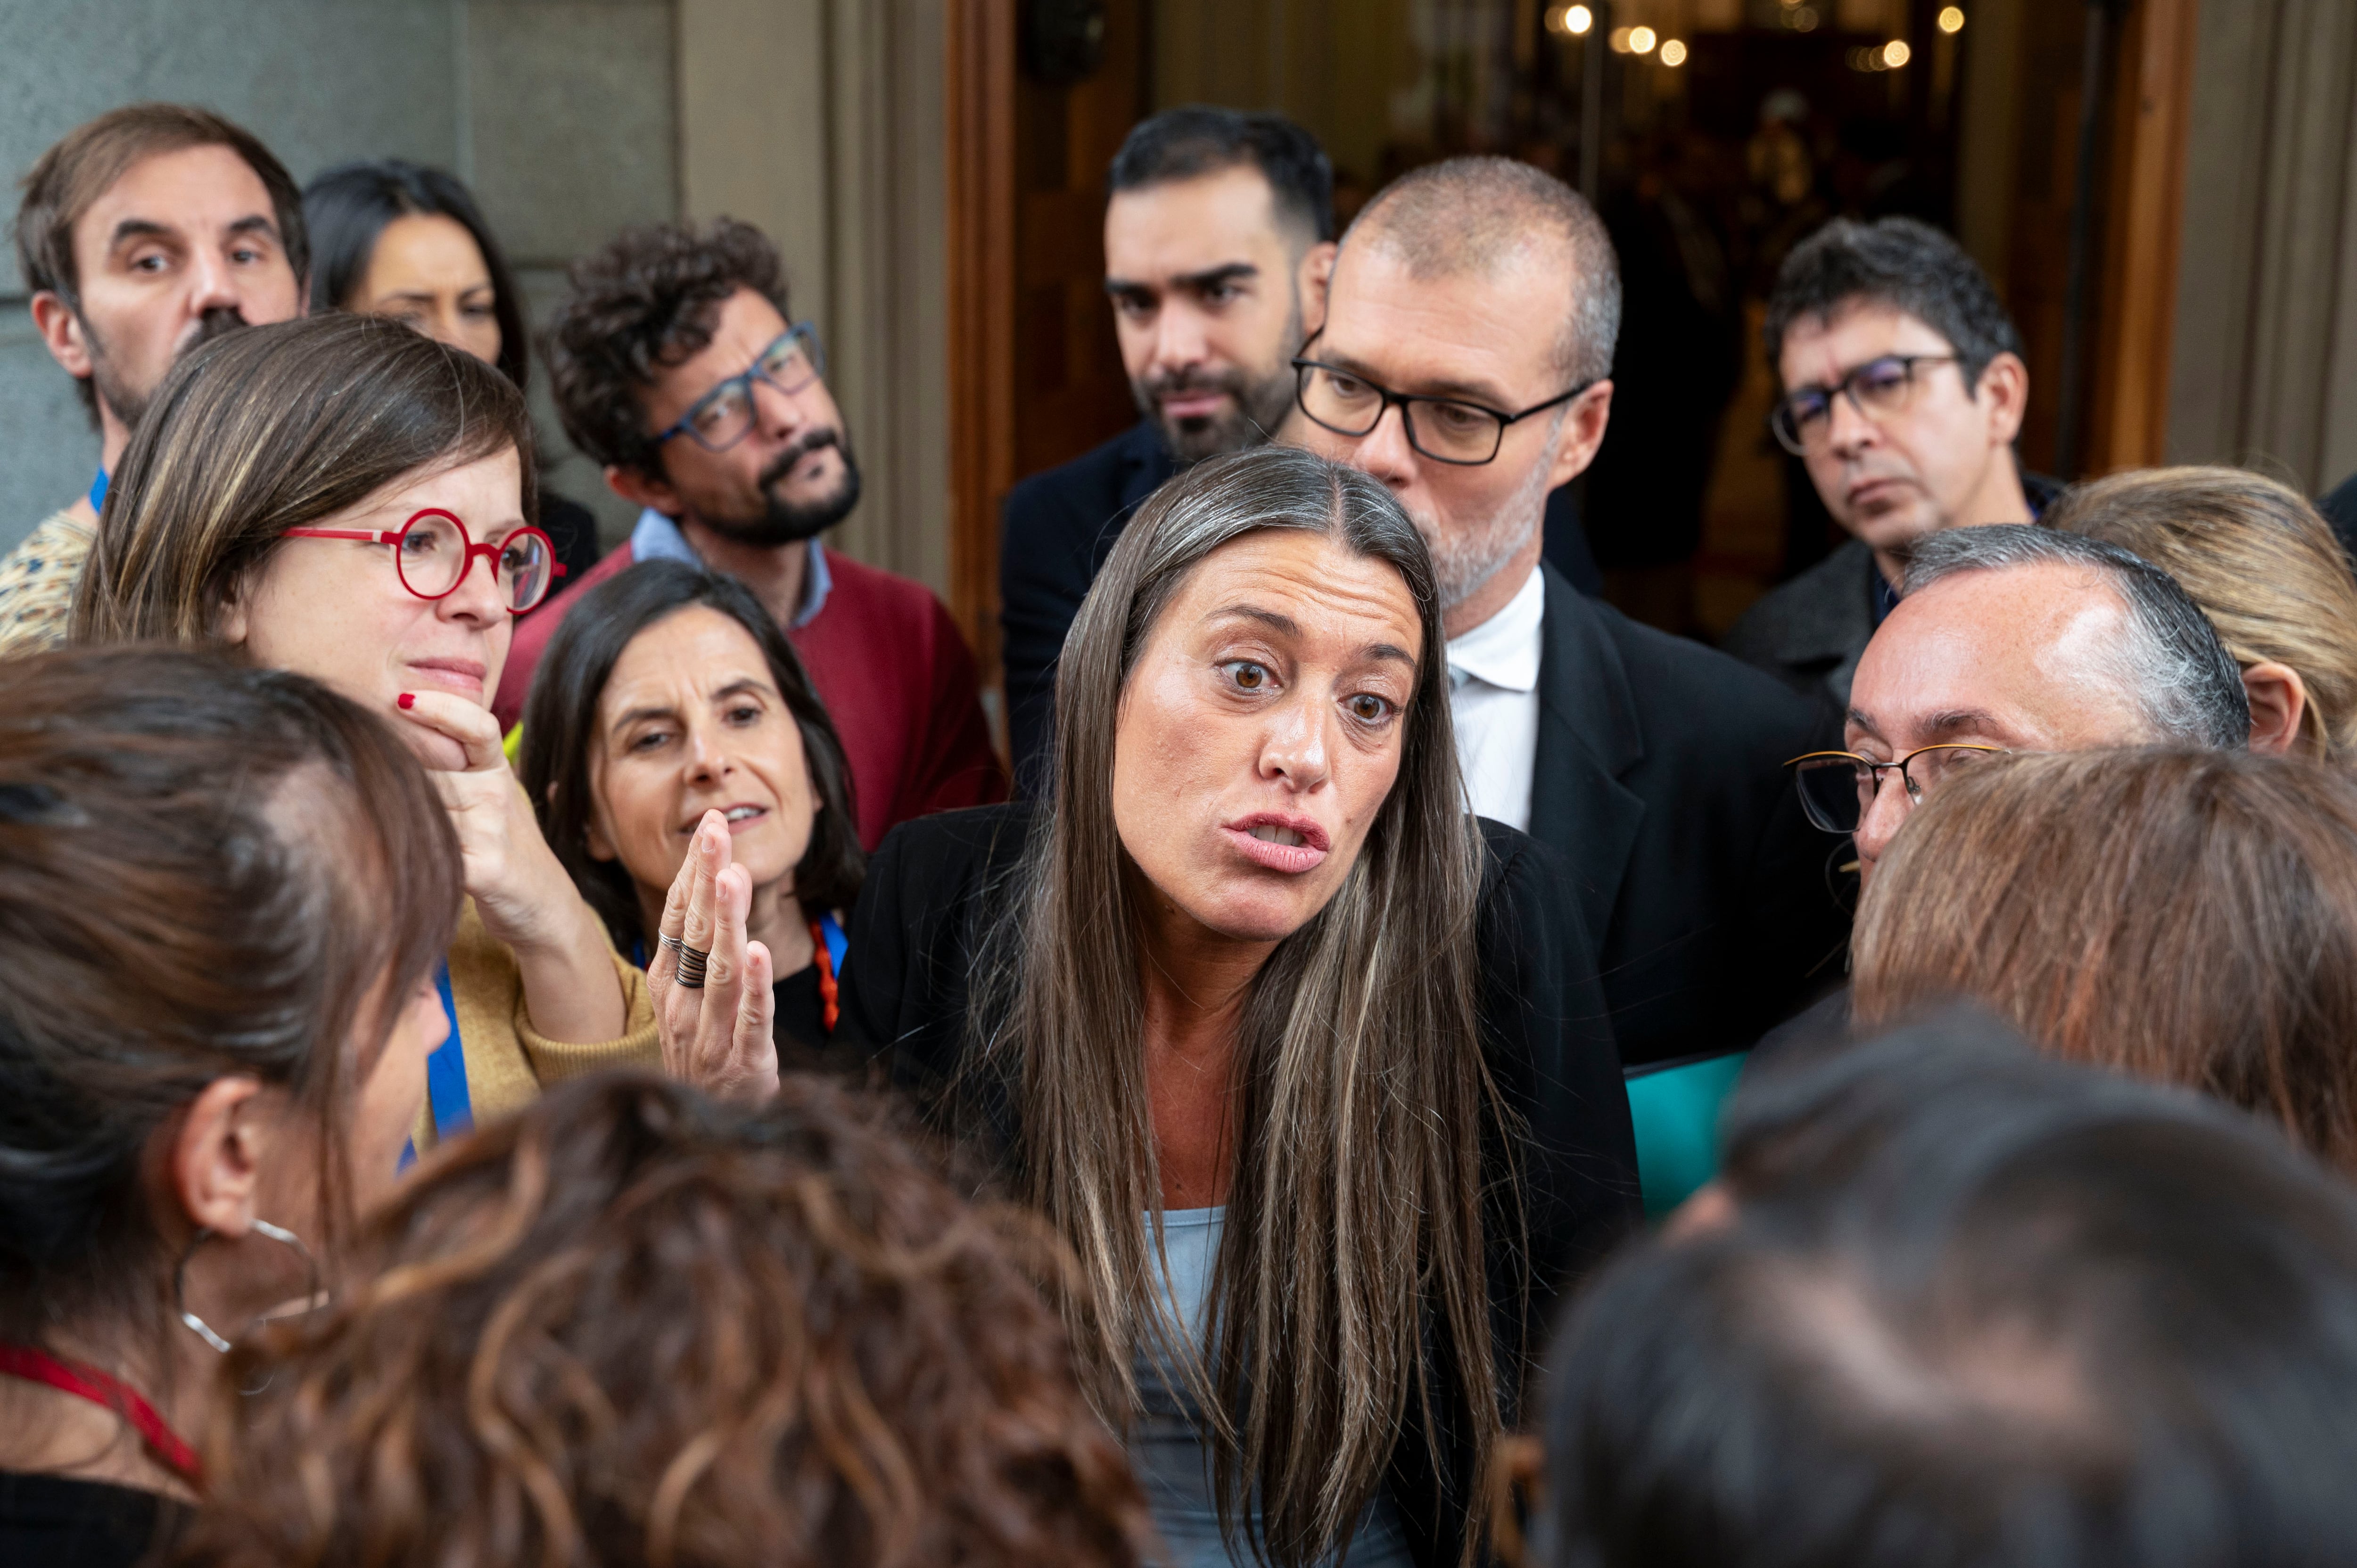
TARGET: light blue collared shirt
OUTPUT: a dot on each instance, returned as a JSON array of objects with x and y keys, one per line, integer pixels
[{"x": 657, "y": 538}]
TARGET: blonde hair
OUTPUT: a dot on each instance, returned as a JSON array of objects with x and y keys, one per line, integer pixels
[
  {"x": 2261, "y": 563},
  {"x": 2189, "y": 917}
]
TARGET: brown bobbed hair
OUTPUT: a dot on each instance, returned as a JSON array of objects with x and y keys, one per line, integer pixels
[
  {"x": 628, "y": 1325},
  {"x": 206, "y": 870},
  {"x": 2260, "y": 562},
  {"x": 1353, "y": 1255},
  {"x": 272, "y": 428},
  {"x": 2189, "y": 917},
  {"x": 561, "y": 734}
]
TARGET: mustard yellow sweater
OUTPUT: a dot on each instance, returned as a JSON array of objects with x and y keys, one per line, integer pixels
[{"x": 507, "y": 1061}]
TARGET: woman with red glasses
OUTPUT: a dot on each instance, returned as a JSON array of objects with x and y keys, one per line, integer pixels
[{"x": 347, "y": 499}]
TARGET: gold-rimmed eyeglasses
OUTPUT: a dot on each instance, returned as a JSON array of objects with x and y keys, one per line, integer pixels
[{"x": 1837, "y": 788}]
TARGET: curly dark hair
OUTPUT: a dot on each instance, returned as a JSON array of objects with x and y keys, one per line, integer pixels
[
  {"x": 633, "y": 1326},
  {"x": 646, "y": 301},
  {"x": 1898, "y": 262}
]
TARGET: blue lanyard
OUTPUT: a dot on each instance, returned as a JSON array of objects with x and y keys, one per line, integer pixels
[
  {"x": 837, "y": 944},
  {"x": 98, "y": 492},
  {"x": 445, "y": 1078},
  {"x": 445, "y": 1072}
]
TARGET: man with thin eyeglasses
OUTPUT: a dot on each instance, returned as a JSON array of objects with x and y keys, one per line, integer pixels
[
  {"x": 2005, "y": 640},
  {"x": 677, "y": 364},
  {"x": 1464, "y": 361},
  {"x": 1902, "y": 390}
]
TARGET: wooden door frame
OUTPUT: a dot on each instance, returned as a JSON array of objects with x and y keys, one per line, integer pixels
[
  {"x": 2153, "y": 104},
  {"x": 981, "y": 188}
]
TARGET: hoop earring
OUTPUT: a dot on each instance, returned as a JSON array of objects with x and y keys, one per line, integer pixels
[{"x": 313, "y": 1299}]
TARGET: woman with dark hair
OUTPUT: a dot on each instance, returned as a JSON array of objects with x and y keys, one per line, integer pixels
[
  {"x": 1305, "y": 1063},
  {"x": 393, "y": 238},
  {"x": 629, "y": 1327},
  {"x": 667, "y": 693},
  {"x": 2189, "y": 917},
  {"x": 224, "y": 892},
  {"x": 343, "y": 498}
]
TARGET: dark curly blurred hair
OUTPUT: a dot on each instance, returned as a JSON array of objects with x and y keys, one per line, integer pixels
[
  {"x": 645, "y": 302},
  {"x": 630, "y": 1326}
]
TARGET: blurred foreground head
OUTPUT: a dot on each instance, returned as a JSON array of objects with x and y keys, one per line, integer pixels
[
  {"x": 2189, "y": 917},
  {"x": 1970, "y": 1307},
  {"x": 629, "y": 1326}
]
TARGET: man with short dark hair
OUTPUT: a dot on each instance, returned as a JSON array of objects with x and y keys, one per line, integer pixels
[
  {"x": 675, "y": 363},
  {"x": 1219, "y": 228},
  {"x": 142, "y": 233},
  {"x": 1904, "y": 388},
  {"x": 1953, "y": 1304},
  {"x": 1467, "y": 339}
]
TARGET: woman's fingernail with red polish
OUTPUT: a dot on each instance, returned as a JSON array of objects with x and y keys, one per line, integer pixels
[{"x": 408, "y": 700}]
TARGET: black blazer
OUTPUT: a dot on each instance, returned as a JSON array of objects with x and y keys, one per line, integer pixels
[
  {"x": 1660, "y": 778},
  {"x": 1054, "y": 533},
  {"x": 936, "y": 881}
]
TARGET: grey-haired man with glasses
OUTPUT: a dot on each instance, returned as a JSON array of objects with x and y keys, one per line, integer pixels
[
  {"x": 1464, "y": 361},
  {"x": 1902, "y": 388}
]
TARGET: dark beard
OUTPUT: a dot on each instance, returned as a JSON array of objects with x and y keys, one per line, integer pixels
[
  {"x": 791, "y": 522},
  {"x": 128, "y": 404},
  {"x": 1260, "y": 407}
]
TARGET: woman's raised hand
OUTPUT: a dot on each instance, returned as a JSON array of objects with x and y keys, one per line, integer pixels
[
  {"x": 520, "y": 888},
  {"x": 716, "y": 1035}
]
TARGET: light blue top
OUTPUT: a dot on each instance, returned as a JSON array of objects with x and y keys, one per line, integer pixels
[
  {"x": 657, "y": 538},
  {"x": 1166, "y": 1446}
]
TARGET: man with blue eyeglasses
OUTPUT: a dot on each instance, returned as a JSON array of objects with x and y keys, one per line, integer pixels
[
  {"x": 1902, "y": 390},
  {"x": 675, "y": 363}
]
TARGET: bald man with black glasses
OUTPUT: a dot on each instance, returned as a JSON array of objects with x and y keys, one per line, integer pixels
[{"x": 1464, "y": 360}]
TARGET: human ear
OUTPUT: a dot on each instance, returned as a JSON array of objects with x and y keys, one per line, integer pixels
[
  {"x": 2005, "y": 386},
  {"x": 643, "y": 490},
  {"x": 61, "y": 333},
  {"x": 1310, "y": 278},
  {"x": 2278, "y": 704},
  {"x": 1584, "y": 425},
  {"x": 214, "y": 1160}
]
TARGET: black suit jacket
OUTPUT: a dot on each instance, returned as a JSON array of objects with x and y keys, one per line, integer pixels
[
  {"x": 938, "y": 881},
  {"x": 1054, "y": 533},
  {"x": 1660, "y": 778}
]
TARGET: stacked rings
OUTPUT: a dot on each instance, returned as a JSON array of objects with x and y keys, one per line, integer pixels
[{"x": 691, "y": 963}]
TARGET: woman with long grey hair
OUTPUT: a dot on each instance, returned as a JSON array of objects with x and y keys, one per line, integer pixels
[{"x": 1306, "y": 1064}]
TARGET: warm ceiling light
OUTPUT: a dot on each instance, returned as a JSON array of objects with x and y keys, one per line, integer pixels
[
  {"x": 1641, "y": 40},
  {"x": 1619, "y": 39},
  {"x": 1578, "y": 19},
  {"x": 1951, "y": 18},
  {"x": 1674, "y": 53},
  {"x": 1894, "y": 54}
]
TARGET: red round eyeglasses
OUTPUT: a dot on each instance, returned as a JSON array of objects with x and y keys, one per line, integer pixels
[{"x": 433, "y": 554}]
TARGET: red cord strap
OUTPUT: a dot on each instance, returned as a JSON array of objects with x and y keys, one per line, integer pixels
[{"x": 164, "y": 1444}]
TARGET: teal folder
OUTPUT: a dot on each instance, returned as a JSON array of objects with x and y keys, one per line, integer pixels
[{"x": 1675, "y": 1109}]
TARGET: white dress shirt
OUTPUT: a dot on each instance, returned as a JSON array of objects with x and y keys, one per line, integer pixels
[{"x": 1493, "y": 695}]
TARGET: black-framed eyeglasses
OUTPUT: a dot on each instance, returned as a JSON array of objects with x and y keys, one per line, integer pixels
[
  {"x": 1448, "y": 430},
  {"x": 724, "y": 416},
  {"x": 1837, "y": 788},
  {"x": 1803, "y": 419}
]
